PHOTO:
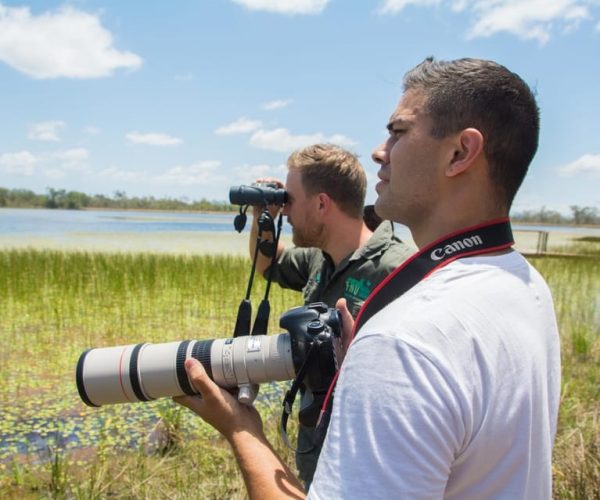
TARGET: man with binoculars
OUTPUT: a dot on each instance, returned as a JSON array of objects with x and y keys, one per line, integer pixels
[{"x": 336, "y": 255}]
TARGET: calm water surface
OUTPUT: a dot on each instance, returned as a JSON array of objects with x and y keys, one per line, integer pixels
[
  {"x": 70, "y": 223},
  {"x": 45, "y": 222}
]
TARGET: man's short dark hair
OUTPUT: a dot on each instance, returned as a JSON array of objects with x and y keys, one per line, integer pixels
[
  {"x": 487, "y": 96},
  {"x": 326, "y": 168}
]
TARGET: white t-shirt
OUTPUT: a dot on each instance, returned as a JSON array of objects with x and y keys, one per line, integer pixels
[{"x": 451, "y": 391}]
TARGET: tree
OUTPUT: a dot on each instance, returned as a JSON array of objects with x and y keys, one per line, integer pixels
[{"x": 585, "y": 215}]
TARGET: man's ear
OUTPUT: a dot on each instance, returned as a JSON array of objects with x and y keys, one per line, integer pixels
[
  {"x": 467, "y": 149},
  {"x": 324, "y": 202}
]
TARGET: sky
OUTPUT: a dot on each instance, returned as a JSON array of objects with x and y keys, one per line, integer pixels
[{"x": 185, "y": 99}]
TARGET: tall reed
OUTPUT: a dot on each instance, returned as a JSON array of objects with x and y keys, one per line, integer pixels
[
  {"x": 575, "y": 285},
  {"x": 53, "y": 305}
]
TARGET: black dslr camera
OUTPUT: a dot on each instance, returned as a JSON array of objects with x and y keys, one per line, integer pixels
[{"x": 312, "y": 329}]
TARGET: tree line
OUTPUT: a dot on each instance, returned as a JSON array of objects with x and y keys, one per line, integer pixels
[
  {"x": 74, "y": 200},
  {"x": 579, "y": 216},
  {"x": 60, "y": 198}
]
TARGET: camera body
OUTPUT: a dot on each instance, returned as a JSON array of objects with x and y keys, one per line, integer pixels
[
  {"x": 257, "y": 194},
  {"x": 312, "y": 329},
  {"x": 143, "y": 372}
]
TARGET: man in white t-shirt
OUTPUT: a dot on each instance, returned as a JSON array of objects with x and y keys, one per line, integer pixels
[{"x": 450, "y": 390}]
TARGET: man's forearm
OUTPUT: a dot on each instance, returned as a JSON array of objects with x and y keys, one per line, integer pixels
[
  {"x": 265, "y": 474},
  {"x": 262, "y": 262}
]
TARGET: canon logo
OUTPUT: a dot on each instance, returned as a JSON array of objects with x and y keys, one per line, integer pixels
[{"x": 456, "y": 246}]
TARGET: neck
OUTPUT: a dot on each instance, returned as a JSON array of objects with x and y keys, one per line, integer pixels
[
  {"x": 429, "y": 231},
  {"x": 344, "y": 237}
]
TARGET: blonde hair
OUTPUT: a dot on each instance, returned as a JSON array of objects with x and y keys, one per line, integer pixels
[{"x": 326, "y": 168}]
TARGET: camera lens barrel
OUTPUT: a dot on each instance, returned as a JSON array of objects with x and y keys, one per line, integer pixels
[{"x": 143, "y": 372}]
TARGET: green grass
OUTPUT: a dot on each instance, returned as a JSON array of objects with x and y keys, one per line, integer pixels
[
  {"x": 585, "y": 245},
  {"x": 54, "y": 305},
  {"x": 575, "y": 285}
]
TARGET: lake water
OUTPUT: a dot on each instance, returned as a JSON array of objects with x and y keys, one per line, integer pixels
[
  {"x": 124, "y": 231},
  {"x": 45, "y": 222},
  {"x": 130, "y": 230}
]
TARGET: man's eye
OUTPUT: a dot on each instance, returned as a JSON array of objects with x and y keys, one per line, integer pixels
[{"x": 396, "y": 132}]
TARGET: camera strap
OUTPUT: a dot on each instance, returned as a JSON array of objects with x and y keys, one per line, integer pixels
[
  {"x": 492, "y": 236},
  {"x": 244, "y": 315},
  {"x": 290, "y": 397},
  {"x": 261, "y": 320},
  {"x": 486, "y": 238}
]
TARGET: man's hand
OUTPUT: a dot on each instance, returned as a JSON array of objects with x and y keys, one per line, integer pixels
[
  {"x": 347, "y": 327},
  {"x": 264, "y": 261},
  {"x": 218, "y": 407},
  {"x": 273, "y": 209},
  {"x": 271, "y": 180},
  {"x": 265, "y": 474}
]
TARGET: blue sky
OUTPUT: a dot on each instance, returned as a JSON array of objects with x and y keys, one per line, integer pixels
[{"x": 184, "y": 99}]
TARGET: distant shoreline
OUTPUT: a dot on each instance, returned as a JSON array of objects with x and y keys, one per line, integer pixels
[
  {"x": 110, "y": 209},
  {"x": 233, "y": 212}
]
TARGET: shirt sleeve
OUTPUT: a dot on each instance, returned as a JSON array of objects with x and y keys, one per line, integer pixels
[
  {"x": 294, "y": 267},
  {"x": 395, "y": 426}
]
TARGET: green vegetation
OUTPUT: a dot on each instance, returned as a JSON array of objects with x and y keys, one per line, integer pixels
[
  {"x": 60, "y": 198},
  {"x": 579, "y": 216},
  {"x": 54, "y": 305},
  {"x": 575, "y": 285},
  {"x": 585, "y": 245}
]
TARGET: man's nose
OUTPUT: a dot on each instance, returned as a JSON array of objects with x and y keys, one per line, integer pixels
[{"x": 380, "y": 154}]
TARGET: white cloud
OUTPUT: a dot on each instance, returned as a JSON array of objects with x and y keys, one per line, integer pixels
[
  {"x": 72, "y": 159},
  {"x": 530, "y": 20},
  {"x": 285, "y": 6},
  {"x": 277, "y": 104},
  {"x": 240, "y": 126},
  {"x": 153, "y": 139},
  {"x": 247, "y": 174},
  {"x": 55, "y": 173},
  {"x": 209, "y": 174},
  {"x": 120, "y": 175},
  {"x": 280, "y": 139},
  {"x": 46, "y": 131},
  {"x": 201, "y": 173},
  {"x": 21, "y": 163},
  {"x": 396, "y": 6},
  {"x": 586, "y": 165},
  {"x": 54, "y": 164},
  {"x": 527, "y": 19},
  {"x": 64, "y": 43}
]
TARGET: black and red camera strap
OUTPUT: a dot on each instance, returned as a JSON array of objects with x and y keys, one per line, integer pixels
[{"x": 488, "y": 237}]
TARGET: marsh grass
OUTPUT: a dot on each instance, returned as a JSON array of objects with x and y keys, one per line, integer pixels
[
  {"x": 585, "y": 245},
  {"x": 54, "y": 305},
  {"x": 575, "y": 284}
]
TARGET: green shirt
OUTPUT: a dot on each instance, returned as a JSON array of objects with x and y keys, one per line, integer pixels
[{"x": 311, "y": 270}]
